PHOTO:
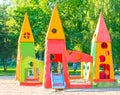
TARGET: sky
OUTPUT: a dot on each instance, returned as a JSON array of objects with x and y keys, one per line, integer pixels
[{"x": 1, "y": 1}]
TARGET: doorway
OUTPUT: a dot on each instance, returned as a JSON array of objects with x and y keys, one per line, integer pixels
[
  {"x": 74, "y": 69},
  {"x": 56, "y": 63},
  {"x": 104, "y": 71}
]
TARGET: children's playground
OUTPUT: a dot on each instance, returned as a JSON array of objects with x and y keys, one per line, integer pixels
[{"x": 63, "y": 71}]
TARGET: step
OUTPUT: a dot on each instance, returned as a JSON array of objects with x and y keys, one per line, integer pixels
[
  {"x": 31, "y": 79},
  {"x": 80, "y": 86},
  {"x": 26, "y": 83}
]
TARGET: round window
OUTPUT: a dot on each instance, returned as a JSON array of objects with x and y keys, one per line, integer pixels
[
  {"x": 31, "y": 64},
  {"x": 104, "y": 45},
  {"x": 54, "y": 30},
  {"x": 102, "y": 58}
]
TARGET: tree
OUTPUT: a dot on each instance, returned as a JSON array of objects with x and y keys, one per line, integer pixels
[
  {"x": 79, "y": 19},
  {"x": 6, "y": 49},
  {"x": 39, "y": 21}
]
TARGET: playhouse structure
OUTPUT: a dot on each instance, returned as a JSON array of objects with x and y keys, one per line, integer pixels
[
  {"x": 101, "y": 51},
  {"x": 56, "y": 74},
  {"x": 29, "y": 70}
]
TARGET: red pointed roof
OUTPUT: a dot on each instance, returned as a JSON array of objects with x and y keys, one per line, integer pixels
[{"x": 101, "y": 33}]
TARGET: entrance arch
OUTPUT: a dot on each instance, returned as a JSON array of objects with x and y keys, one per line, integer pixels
[
  {"x": 86, "y": 69},
  {"x": 37, "y": 66}
]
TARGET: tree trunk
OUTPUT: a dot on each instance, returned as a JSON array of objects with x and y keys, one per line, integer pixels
[{"x": 4, "y": 65}]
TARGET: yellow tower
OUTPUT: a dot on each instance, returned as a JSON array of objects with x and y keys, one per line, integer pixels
[{"x": 102, "y": 53}]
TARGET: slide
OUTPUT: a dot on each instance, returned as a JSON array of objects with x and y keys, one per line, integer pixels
[{"x": 58, "y": 81}]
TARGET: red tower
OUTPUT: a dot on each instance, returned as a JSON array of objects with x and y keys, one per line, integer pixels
[{"x": 55, "y": 46}]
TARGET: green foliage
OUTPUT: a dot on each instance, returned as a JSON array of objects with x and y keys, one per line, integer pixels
[
  {"x": 117, "y": 72},
  {"x": 79, "y": 19},
  {"x": 7, "y": 46}
]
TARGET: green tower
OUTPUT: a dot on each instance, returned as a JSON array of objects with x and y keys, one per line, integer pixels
[{"x": 26, "y": 55}]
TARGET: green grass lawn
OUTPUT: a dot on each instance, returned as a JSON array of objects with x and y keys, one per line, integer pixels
[
  {"x": 108, "y": 84},
  {"x": 71, "y": 72},
  {"x": 9, "y": 72}
]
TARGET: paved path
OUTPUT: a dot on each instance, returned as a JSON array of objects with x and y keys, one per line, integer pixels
[{"x": 8, "y": 86}]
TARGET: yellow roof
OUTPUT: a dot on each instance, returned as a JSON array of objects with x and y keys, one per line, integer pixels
[
  {"x": 55, "y": 30},
  {"x": 26, "y": 32}
]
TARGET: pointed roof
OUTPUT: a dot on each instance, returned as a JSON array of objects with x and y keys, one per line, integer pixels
[
  {"x": 101, "y": 33},
  {"x": 55, "y": 30},
  {"x": 26, "y": 32}
]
